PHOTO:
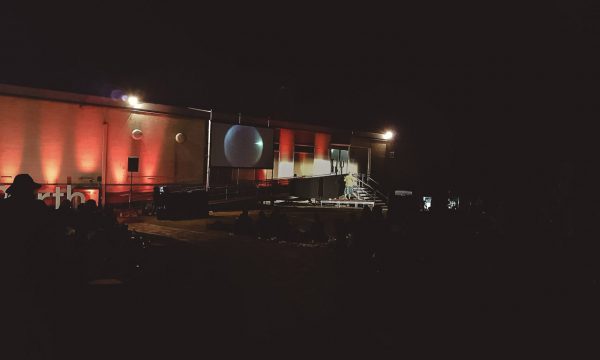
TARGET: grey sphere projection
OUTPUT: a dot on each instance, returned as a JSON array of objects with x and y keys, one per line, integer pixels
[{"x": 243, "y": 146}]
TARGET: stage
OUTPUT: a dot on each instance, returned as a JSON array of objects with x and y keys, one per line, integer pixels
[
  {"x": 347, "y": 203},
  {"x": 203, "y": 230}
]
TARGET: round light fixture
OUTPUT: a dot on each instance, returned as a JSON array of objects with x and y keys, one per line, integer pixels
[
  {"x": 180, "y": 138},
  {"x": 388, "y": 135},
  {"x": 137, "y": 134}
]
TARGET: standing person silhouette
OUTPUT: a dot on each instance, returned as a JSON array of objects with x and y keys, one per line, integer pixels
[
  {"x": 25, "y": 267},
  {"x": 349, "y": 183}
]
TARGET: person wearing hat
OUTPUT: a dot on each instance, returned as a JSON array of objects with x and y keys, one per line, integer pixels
[
  {"x": 26, "y": 248},
  {"x": 23, "y": 186}
]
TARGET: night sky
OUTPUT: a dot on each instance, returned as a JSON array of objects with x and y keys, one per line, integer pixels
[{"x": 486, "y": 86}]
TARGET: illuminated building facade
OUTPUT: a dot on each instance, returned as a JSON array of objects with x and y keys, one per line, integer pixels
[{"x": 81, "y": 144}]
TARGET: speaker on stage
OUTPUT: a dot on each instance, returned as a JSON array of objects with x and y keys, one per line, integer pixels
[
  {"x": 133, "y": 164},
  {"x": 320, "y": 187}
]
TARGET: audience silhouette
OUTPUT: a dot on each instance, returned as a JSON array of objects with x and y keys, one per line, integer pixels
[
  {"x": 27, "y": 266},
  {"x": 243, "y": 224},
  {"x": 317, "y": 230},
  {"x": 496, "y": 254}
]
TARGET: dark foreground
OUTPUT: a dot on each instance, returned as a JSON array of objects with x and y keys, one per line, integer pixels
[{"x": 213, "y": 293}]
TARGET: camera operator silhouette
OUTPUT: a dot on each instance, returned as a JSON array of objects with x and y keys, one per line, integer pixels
[{"x": 26, "y": 266}]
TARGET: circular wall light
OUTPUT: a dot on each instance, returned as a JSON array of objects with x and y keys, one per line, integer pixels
[
  {"x": 137, "y": 134},
  {"x": 180, "y": 138}
]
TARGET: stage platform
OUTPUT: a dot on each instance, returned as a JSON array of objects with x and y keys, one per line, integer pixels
[
  {"x": 347, "y": 203},
  {"x": 203, "y": 230}
]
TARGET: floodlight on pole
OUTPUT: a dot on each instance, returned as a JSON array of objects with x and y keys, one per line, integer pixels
[{"x": 133, "y": 100}]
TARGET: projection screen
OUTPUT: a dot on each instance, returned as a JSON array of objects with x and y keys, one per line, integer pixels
[{"x": 241, "y": 146}]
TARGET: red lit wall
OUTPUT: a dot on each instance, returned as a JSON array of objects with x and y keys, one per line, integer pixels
[
  {"x": 262, "y": 174},
  {"x": 12, "y": 138},
  {"x": 58, "y": 142},
  {"x": 303, "y": 164},
  {"x": 49, "y": 140},
  {"x": 87, "y": 148},
  {"x": 322, "y": 141},
  {"x": 286, "y": 153},
  {"x": 162, "y": 159},
  {"x": 321, "y": 164}
]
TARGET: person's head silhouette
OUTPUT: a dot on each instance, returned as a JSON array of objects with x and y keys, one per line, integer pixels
[{"x": 23, "y": 186}]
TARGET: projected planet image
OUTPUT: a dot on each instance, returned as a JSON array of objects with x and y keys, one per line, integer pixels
[{"x": 243, "y": 146}]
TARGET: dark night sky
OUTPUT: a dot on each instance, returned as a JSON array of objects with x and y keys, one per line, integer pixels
[{"x": 489, "y": 80}]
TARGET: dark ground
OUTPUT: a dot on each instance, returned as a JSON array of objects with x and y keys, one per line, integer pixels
[{"x": 214, "y": 293}]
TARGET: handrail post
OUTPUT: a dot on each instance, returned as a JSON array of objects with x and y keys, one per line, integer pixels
[{"x": 207, "y": 184}]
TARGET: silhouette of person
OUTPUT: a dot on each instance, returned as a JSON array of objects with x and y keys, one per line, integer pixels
[
  {"x": 26, "y": 266},
  {"x": 262, "y": 226},
  {"x": 349, "y": 184},
  {"x": 65, "y": 215},
  {"x": 244, "y": 224},
  {"x": 364, "y": 234},
  {"x": 281, "y": 225},
  {"x": 341, "y": 234},
  {"x": 317, "y": 230}
]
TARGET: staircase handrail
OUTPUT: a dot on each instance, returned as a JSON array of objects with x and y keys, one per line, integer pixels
[{"x": 375, "y": 190}]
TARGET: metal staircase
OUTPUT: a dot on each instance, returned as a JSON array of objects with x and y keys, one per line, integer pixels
[{"x": 368, "y": 189}]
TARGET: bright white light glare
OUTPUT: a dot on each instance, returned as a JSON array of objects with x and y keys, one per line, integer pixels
[
  {"x": 133, "y": 100},
  {"x": 286, "y": 169},
  {"x": 321, "y": 167},
  {"x": 388, "y": 135},
  {"x": 426, "y": 202}
]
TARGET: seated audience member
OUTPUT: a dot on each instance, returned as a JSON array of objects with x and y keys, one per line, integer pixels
[
  {"x": 108, "y": 217},
  {"x": 263, "y": 230},
  {"x": 281, "y": 225},
  {"x": 65, "y": 214},
  {"x": 87, "y": 217},
  {"x": 91, "y": 204},
  {"x": 244, "y": 224},
  {"x": 341, "y": 234},
  {"x": 317, "y": 230},
  {"x": 366, "y": 215},
  {"x": 377, "y": 213}
]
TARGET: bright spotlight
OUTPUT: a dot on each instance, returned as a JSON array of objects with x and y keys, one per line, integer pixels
[
  {"x": 133, "y": 100},
  {"x": 388, "y": 135}
]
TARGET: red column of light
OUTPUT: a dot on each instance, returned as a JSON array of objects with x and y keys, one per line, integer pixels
[
  {"x": 12, "y": 143},
  {"x": 154, "y": 145},
  {"x": 302, "y": 158},
  {"x": 52, "y": 140},
  {"x": 286, "y": 153},
  {"x": 88, "y": 141},
  {"x": 260, "y": 174},
  {"x": 321, "y": 163}
]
